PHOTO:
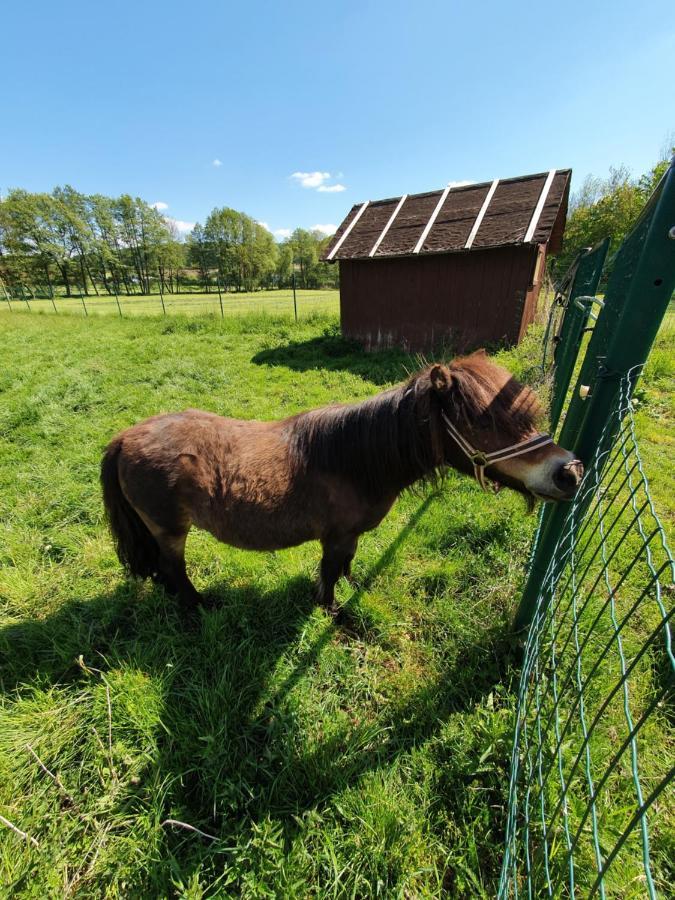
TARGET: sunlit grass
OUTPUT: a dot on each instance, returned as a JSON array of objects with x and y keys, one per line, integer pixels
[{"x": 367, "y": 761}]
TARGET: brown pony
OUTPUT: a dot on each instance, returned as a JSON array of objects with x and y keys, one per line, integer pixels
[{"x": 329, "y": 474}]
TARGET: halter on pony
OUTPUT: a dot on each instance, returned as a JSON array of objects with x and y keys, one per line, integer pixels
[{"x": 481, "y": 460}]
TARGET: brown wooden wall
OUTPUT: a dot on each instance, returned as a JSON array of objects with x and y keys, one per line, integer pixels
[{"x": 462, "y": 300}]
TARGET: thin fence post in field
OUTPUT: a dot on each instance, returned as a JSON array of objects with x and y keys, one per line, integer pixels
[
  {"x": 636, "y": 301},
  {"x": 295, "y": 301},
  {"x": 84, "y": 305},
  {"x": 161, "y": 295},
  {"x": 56, "y": 312},
  {"x": 220, "y": 298},
  {"x": 6, "y": 293},
  {"x": 9, "y": 304},
  {"x": 25, "y": 299},
  {"x": 119, "y": 308}
]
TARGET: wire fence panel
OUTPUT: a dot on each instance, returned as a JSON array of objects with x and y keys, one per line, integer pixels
[
  {"x": 596, "y": 696},
  {"x": 281, "y": 303},
  {"x": 593, "y": 752}
]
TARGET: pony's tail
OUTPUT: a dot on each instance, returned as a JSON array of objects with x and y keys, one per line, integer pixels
[{"x": 137, "y": 549}]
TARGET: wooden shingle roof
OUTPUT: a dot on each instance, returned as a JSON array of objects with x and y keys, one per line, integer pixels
[{"x": 526, "y": 210}]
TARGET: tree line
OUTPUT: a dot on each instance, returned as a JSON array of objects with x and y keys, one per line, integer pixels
[{"x": 69, "y": 242}]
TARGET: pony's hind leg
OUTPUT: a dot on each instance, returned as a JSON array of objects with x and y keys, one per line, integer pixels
[{"x": 337, "y": 557}]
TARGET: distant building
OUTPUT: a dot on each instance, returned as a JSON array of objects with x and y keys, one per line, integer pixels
[{"x": 462, "y": 266}]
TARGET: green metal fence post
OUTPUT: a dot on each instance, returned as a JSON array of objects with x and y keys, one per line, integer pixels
[
  {"x": 587, "y": 276},
  {"x": 638, "y": 294}
]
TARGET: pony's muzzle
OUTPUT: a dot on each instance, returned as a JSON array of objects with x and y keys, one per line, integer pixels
[{"x": 567, "y": 478}]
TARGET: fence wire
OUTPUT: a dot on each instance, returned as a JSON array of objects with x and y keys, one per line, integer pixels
[
  {"x": 588, "y": 810},
  {"x": 277, "y": 302}
]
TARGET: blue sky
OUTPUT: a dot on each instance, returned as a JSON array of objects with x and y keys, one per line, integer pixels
[{"x": 204, "y": 104}]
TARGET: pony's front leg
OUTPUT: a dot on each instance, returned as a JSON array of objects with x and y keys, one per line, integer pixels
[
  {"x": 172, "y": 573},
  {"x": 338, "y": 554}
]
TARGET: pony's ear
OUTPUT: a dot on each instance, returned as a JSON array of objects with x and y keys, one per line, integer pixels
[
  {"x": 440, "y": 378},
  {"x": 481, "y": 352}
]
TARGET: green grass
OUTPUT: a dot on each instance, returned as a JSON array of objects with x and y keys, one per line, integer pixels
[
  {"x": 277, "y": 303},
  {"x": 329, "y": 762}
]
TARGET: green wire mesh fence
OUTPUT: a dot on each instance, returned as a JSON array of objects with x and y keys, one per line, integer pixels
[
  {"x": 595, "y": 690},
  {"x": 593, "y": 754}
]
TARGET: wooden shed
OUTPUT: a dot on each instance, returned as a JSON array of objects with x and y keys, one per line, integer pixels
[{"x": 461, "y": 266}]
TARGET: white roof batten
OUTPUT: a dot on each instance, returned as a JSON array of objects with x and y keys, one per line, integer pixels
[
  {"x": 540, "y": 205},
  {"x": 430, "y": 223},
  {"x": 388, "y": 226},
  {"x": 481, "y": 215},
  {"x": 347, "y": 230}
]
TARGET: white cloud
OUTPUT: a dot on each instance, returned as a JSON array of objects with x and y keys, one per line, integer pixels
[
  {"x": 278, "y": 232},
  {"x": 181, "y": 227},
  {"x": 311, "y": 179},
  {"x": 454, "y": 184},
  {"x": 217, "y": 163},
  {"x": 325, "y": 229},
  {"x": 317, "y": 181},
  {"x": 160, "y": 205}
]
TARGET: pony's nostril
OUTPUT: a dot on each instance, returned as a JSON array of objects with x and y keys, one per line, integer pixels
[
  {"x": 577, "y": 467},
  {"x": 568, "y": 477}
]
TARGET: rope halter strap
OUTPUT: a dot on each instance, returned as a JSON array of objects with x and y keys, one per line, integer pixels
[{"x": 481, "y": 460}]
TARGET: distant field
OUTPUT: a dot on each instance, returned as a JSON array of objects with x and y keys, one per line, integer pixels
[{"x": 277, "y": 303}]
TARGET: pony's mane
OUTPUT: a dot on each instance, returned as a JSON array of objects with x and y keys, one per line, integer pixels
[
  {"x": 395, "y": 439},
  {"x": 513, "y": 413},
  {"x": 381, "y": 443}
]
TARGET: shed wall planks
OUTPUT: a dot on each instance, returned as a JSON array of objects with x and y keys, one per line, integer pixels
[{"x": 420, "y": 303}]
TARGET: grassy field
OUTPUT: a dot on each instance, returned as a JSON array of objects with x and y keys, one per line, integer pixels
[
  {"x": 318, "y": 761},
  {"x": 274, "y": 303}
]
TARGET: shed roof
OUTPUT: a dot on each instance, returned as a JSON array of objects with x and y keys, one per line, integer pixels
[{"x": 526, "y": 210}]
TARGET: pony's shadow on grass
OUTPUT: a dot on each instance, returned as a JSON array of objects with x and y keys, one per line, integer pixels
[
  {"x": 336, "y": 353},
  {"x": 232, "y": 749}
]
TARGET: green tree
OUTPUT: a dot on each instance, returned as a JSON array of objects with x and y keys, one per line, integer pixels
[
  {"x": 108, "y": 257},
  {"x": 33, "y": 231},
  {"x": 199, "y": 255},
  {"x": 306, "y": 248},
  {"x": 605, "y": 208},
  {"x": 242, "y": 251},
  {"x": 142, "y": 231},
  {"x": 71, "y": 218},
  {"x": 284, "y": 264}
]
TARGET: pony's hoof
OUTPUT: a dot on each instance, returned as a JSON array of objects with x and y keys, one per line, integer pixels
[
  {"x": 191, "y": 604},
  {"x": 208, "y": 602}
]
